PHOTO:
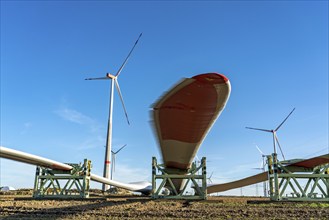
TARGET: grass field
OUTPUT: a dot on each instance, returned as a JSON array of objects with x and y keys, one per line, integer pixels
[{"x": 21, "y": 206}]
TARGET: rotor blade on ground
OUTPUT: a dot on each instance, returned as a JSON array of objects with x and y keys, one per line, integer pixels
[
  {"x": 285, "y": 119},
  {"x": 125, "y": 61},
  {"x": 97, "y": 78},
  {"x": 259, "y": 129},
  {"x": 143, "y": 187},
  {"x": 238, "y": 183},
  {"x": 123, "y": 104},
  {"x": 32, "y": 159},
  {"x": 277, "y": 141}
]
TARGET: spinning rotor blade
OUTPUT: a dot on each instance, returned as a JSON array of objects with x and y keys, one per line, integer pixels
[
  {"x": 277, "y": 141},
  {"x": 259, "y": 129},
  {"x": 285, "y": 119},
  {"x": 97, "y": 78},
  {"x": 261, "y": 152},
  {"x": 123, "y": 104},
  {"x": 125, "y": 61},
  {"x": 120, "y": 149}
]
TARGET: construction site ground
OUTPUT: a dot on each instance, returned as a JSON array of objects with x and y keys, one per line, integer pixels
[{"x": 21, "y": 205}]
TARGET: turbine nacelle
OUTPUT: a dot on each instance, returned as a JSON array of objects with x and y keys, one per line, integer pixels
[
  {"x": 273, "y": 131},
  {"x": 109, "y": 75}
]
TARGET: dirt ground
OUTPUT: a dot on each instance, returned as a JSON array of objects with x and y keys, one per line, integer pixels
[{"x": 22, "y": 206}]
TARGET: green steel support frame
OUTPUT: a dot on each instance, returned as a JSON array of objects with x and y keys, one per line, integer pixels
[
  {"x": 286, "y": 185},
  {"x": 51, "y": 183},
  {"x": 159, "y": 173}
]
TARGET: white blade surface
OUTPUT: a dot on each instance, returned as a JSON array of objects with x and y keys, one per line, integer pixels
[
  {"x": 97, "y": 78},
  {"x": 32, "y": 159},
  {"x": 285, "y": 120},
  {"x": 277, "y": 141},
  {"x": 259, "y": 129},
  {"x": 121, "y": 98},
  {"x": 126, "y": 60},
  {"x": 261, "y": 152},
  {"x": 143, "y": 187},
  {"x": 120, "y": 149}
]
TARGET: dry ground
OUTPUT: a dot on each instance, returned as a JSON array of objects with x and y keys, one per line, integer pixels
[{"x": 136, "y": 207}]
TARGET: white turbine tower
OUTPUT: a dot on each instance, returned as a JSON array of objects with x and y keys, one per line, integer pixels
[
  {"x": 275, "y": 137},
  {"x": 114, "y": 81}
]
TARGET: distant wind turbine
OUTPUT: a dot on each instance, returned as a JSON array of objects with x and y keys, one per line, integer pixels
[
  {"x": 114, "y": 81},
  {"x": 263, "y": 158},
  {"x": 275, "y": 137},
  {"x": 263, "y": 169},
  {"x": 113, "y": 159},
  {"x": 209, "y": 178}
]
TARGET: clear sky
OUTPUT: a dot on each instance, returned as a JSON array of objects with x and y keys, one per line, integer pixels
[{"x": 275, "y": 54}]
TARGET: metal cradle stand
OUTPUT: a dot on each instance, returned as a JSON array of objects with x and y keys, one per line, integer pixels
[
  {"x": 297, "y": 184},
  {"x": 51, "y": 183},
  {"x": 159, "y": 173}
]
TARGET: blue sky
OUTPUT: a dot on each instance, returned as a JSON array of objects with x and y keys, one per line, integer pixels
[{"x": 275, "y": 54}]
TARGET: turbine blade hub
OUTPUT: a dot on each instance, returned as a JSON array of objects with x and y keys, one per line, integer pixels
[{"x": 109, "y": 75}]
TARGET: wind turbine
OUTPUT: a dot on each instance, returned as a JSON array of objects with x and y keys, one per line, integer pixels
[
  {"x": 114, "y": 81},
  {"x": 263, "y": 169},
  {"x": 113, "y": 160},
  {"x": 273, "y": 131},
  {"x": 263, "y": 158},
  {"x": 209, "y": 178}
]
